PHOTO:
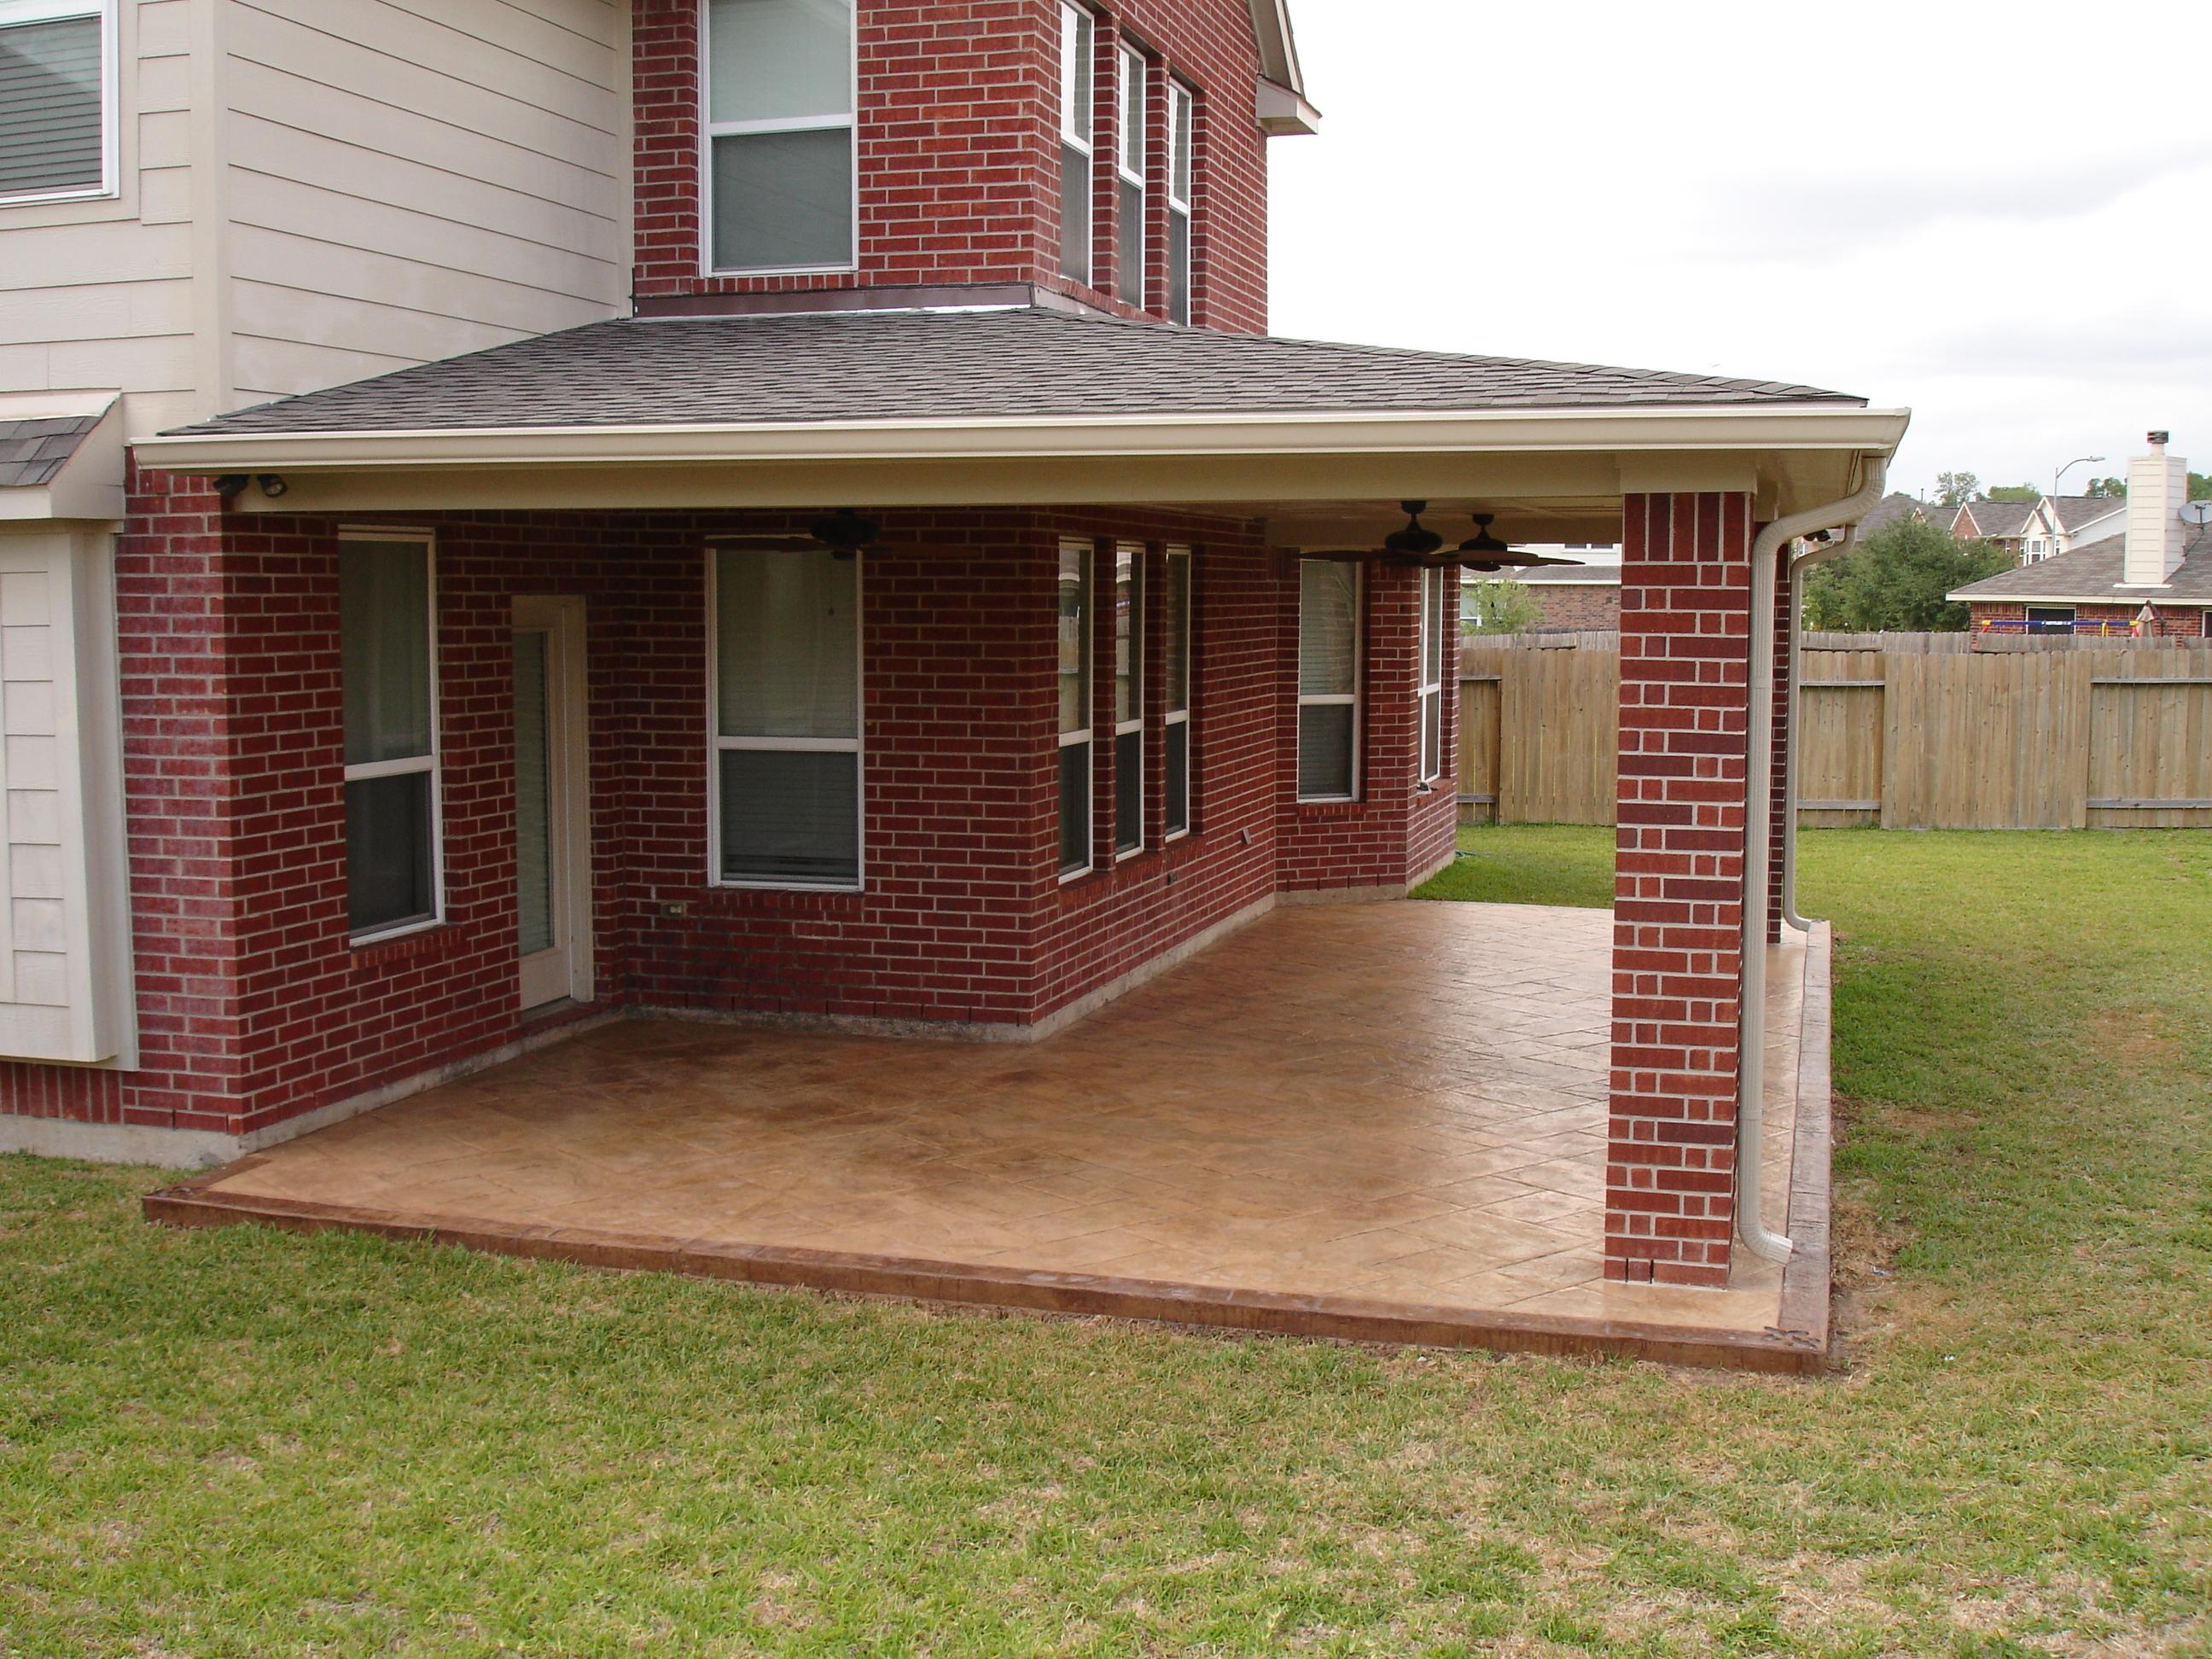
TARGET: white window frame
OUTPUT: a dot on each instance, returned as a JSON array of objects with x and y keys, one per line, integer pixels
[
  {"x": 1181, "y": 716},
  {"x": 1131, "y": 151},
  {"x": 1183, "y": 157},
  {"x": 1076, "y": 24},
  {"x": 432, "y": 762},
  {"x": 1430, "y": 692},
  {"x": 13, "y": 12},
  {"x": 710, "y": 130},
  {"x": 717, "y": 744},
  {"x": 1083, "y": 734},
  {"x": 1131, "y": 554},
  {"x": 1338, "y": 699}
]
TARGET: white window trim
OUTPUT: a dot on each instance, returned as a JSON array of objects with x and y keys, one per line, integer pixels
[
  {"x": 1338, "y": 699},
  {"x": 717, "y": 744},
  {"x": 408, "y": 765},
  {"x": 710, "y": 130},
  {"x": 110, "y": 89},
  {"x": 1130, "y": 154},
  {"x": 1429, "y": 691},
  {"x": 1181, "y": 221},
  {"x": 1181, "y": 716},
  {"x": 1082, "y": 735},
  {"x": 1134, "y": 553},
  {"x": 1073, "y": 19}
]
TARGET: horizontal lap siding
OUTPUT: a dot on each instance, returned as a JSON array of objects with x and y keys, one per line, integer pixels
[{"x": 404, "y": 184}]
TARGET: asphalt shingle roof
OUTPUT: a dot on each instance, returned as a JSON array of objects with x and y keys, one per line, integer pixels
[
  {"x": 2074, "y": 511},
  {"x": 922, "y": 365},
  {"x": 2096, "y": 570},
  {"x": 1996, "y": 519},
  {"x": 33, "y": 452}
]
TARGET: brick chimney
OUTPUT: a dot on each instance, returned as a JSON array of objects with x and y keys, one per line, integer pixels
[{"x": 2158, "y": 485}]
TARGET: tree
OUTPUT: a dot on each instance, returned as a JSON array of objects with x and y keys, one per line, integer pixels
[
  {"x": 1895, "y": 580},
  {"x": 2200, "y": 487},
  {"x": 2114, "y": 488},
  {"x": 1498, "y": 605},
  {"x": 1955, "y": 488},
  {"x": 2026, "y": 493}
]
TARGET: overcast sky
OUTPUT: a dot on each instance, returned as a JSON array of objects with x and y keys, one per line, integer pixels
[{"x": 1998, "y": 216}]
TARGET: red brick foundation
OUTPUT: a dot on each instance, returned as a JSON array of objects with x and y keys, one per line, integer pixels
[{"x": 1679, "y": 886}]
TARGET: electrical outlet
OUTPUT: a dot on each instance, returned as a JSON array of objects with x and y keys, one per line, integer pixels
[{"x": 676, "y": 909}]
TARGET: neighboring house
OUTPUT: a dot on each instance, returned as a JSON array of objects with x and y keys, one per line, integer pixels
[
  {"x": 2001, "y": 524},
  {"x": 1895, "y": 508},
  {"x": 1572, "y": 598},
  {"x": 2153, "y": 578},
  {"x": 527, "y": 667},
  {"x": 2056, "y": 525}
]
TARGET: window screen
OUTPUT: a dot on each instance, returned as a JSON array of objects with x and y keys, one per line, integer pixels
[
  {"x": 780, "y": 128},
  {"x": 53, "y": 129}
]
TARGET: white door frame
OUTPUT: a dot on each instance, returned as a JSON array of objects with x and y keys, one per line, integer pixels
[{"x": 565, "y": 969}]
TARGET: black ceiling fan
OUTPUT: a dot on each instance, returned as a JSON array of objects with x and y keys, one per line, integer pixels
[{"x": 1486, "y": 552}]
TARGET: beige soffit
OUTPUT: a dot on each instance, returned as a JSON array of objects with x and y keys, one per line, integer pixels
[{"x": 89, "y": 485}]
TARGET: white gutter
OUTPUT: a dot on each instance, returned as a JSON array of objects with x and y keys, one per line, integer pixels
[
  {"x": 1758, "y": 804},
  {"x": 1715, "y": 429},
  {"x": 1804, "y": 561}
]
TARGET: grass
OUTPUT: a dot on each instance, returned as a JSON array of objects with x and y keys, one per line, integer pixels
[{"x": 241, "y": 1442}]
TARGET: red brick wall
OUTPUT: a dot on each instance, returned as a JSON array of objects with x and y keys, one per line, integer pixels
[
  {"x": 1572, "y": 608},
  {"x": 1678, "y": 903},
  {"x": 1396, "y": 831},
  {"x": 959, "y": 152},
  {"x": 254, "y": 1006}
]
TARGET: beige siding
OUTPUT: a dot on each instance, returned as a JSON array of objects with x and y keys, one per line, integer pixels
[
  {"x": 97, "y": 296},
  {"x": 407, "y": 180}
]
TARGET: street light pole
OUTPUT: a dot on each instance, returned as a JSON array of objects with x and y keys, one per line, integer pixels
[{"x": 2069, "y": 467}]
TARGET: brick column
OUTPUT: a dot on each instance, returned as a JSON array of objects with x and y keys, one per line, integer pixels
[{"x": 1678, "y": 886}]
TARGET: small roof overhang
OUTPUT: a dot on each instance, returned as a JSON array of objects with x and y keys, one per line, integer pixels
[
  {"x": 61, "y": 456},
  {"x": 1315, "y": 476}
]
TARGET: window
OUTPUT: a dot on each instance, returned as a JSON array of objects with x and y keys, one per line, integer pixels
[
  {"x": 1329, "y": 680},
  {"x": 1180, "y": 124},
  {"x": 1434, "y": 592},
  {"x": 1074, "y": 710},
  {"x": 780, "y": 134},
  {"x": 2050, "y": 619},
  {"x": 387, "y": 680},
  {"x": 1128, "y": 699},
  {"x": 1077, "y": 73},
  {"x": 56, "y": 116},
  {"x": 1131, "y": 176},
  {"x": 1176, "y": 734},
  {"x": 788, "y": 718}
]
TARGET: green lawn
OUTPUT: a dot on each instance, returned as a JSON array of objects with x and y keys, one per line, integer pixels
[{"x": 236, "y": 1443}]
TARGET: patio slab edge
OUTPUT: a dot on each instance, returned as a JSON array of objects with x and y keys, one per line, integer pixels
[{"x": 194, "y": 1204}]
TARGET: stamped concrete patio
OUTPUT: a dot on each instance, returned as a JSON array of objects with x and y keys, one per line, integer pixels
[{"x": 1382, "y": 1121}]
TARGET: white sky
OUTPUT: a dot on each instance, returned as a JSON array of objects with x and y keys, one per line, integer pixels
[{"x": 1999, "y": 216}]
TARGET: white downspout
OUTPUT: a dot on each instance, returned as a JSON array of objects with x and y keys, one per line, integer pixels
[
  {"x": 1791, "y": 729},
  {"x": 1759, "y": 805}
]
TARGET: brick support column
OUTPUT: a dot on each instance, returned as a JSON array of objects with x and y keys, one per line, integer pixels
[{"x": 1679, "y": 886}]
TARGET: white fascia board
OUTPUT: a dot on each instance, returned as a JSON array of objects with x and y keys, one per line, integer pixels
[
  {"x": 1966, "y": 596},
  {"x": 1713, "y": 429}
]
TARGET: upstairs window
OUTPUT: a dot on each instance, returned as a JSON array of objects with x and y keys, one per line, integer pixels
[
  {"x": 1078, "y": 76},
  {"x": 779, "y": 135},
  {"x": 1182, "y": 119},
  {"x": 1329, "y": 680},
  {"x": 57, "y": 114},
  {"x": 1130, "y": 174}
]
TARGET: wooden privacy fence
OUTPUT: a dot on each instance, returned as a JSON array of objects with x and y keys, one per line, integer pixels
[{"x": 1906, "y": 737}]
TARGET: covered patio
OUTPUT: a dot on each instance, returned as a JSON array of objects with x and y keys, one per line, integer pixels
[{"x": 1378, "y": 1121}]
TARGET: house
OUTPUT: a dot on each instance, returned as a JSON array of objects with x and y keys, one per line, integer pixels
[
  {"x": 1895, "y": 508},
  {"x": 2152, "y": 579},
  {"x": 2001, "y": 524},
  {"x": 2056, "y": 525},
  {"x": 523, "y": 516},
  {"x": 1579, "y": 595}
]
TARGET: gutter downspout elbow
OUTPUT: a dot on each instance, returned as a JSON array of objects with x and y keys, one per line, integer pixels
[{"x": 1759, "y": 805}]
